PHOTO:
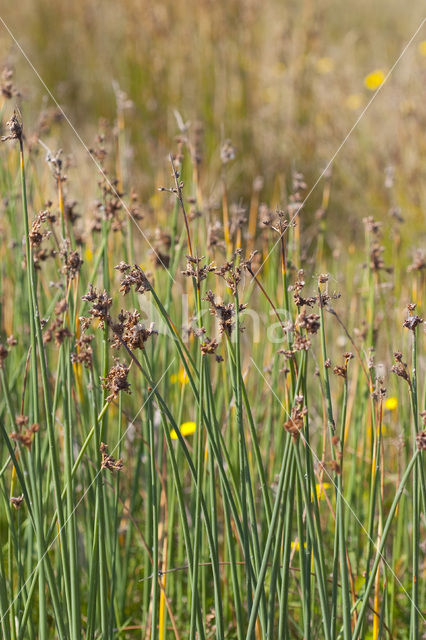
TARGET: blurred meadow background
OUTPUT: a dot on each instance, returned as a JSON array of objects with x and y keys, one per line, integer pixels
[
  {"x": 212, "y": 281},
  {"x": 285, "y": 81}
]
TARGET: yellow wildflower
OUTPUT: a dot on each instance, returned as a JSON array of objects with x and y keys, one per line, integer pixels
[
  {"x": 88, "y": 254},
  {"x": 325, "y": 65},
  {"x": 180, "y": 377},
  {"x": 186, "y": 429},
  {"x": 374, "y": 79},
  {"x": 391, "y": 403},
  {"x": 295, "y": 546},
  {"x": 320, "y": 490},
  {"x": 422, "y": 48}
]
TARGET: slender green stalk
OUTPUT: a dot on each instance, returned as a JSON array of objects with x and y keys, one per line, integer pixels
[{"x": 378, "y": 557}]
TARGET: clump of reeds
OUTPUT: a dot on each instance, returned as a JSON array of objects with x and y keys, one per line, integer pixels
[{"x": 276, "y": 489}]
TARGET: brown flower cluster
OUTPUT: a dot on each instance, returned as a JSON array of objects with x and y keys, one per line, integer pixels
[
  {"x": 101, "y": 303},
  {"x": 108, "y": 461},
  {"x": 37, "y": 234},
  {"x": 134, "y": 277},
  {"x": 72, "y": 264},
  {"x": 194, "y": 270},
  {"x": 310, "y": 322},
  {"x": 84, "y": 351},
  {"x": 342, "y": 370},
  {"x": 15, "y": 127},
  {"x": 25, "y": 437},
  {"x": 58, "y": 331},
  {"x": 297, "y": 288},
  {"x": 231, "y": 273},
  {"x": 278, "y": 221},
  {"x": 129, "y": 330},
  {"x": 413, "y": 320},
  {"x": 295, "y": 423},
  {"x": 421, "y": 441},
  {"x": 225, "y": 313},
  {"x": 17, "y": 501},
  {"x": 116, "y": 380},
  {"x": 209, "y": 346},
  {"x": 400, "y": 367},
  {"x": 300, "y": 342}
]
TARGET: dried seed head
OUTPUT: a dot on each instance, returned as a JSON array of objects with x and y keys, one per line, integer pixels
[
  {"x": 225, "y": 313},
  {"x": 129, "y": 330},
  {"x": 101, "y": 303},
  {"x": 412, "y": 322},
  {"x": 134, "y": 277},
  {"x": 116, "y": 380},
  {"x": 72, "y": 265},
  {"x": 108, "y": 461},
  {"x": 295, "y": 423},
  {"x": 209, "y": 346},
  {"x": 25, "y": 437},
  {"x": 231, "y": 272},
  {"x": 400, "y": 368},
  {"x": 301, "y": 343},
  {"x": 194, "y": 270},
  {"x": 340, "y": 371},
  {"x": 84, "y": 351},
  {"x": 15, "y": 127},
  {"x": 309, "y": 322},
  {"x": 17, "y": 501},
  {"x": 36, "y": 234},
  {"x": 421, "y": 441},
  {"x": 21, "y": 420},
  {"x": 297, "y": 288}
]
